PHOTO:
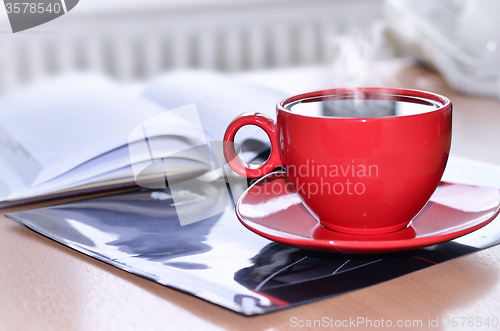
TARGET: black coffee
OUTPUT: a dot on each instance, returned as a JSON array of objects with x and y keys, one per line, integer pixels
[{"x": 353, "y": 105}]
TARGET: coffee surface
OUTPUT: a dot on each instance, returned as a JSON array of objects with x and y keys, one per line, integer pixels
[{"x": 353, "y": 105}]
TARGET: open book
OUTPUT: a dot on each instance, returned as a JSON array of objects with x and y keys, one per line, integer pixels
[{"x": 83, "y": 133}]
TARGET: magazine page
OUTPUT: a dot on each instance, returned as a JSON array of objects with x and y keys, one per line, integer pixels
[
  {"x": 99, "y": 173},
  {"x": 76, "y": 127},
  {"x": 219, "y": 99},
  {"x": 63, "y": 122}
]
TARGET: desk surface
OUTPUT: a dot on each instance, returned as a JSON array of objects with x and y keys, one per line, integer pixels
[{"x": 45, "y": 285}]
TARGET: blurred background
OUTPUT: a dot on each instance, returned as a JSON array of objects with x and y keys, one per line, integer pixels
[
  {"x": 136, "y": 40},
  {"x": 132, "y": 40}
]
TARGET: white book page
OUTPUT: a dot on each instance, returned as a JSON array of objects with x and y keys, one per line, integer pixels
[
  {"x": 219, "y": 99},
  {"x": 10, "y": 181},
  {"x": 166, "y": 146},
  {"x": 67, "y": 121},
  {"x": 75, "y": 127},
  {"x": 57, "y": 125},
  {"x": 118, "y": 176}
]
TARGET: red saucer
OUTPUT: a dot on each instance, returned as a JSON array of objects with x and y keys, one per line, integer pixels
[{"x": 269, "y": 209}]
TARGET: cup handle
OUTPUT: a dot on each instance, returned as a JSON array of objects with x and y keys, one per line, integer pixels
[{"x": 235, "y": 162}]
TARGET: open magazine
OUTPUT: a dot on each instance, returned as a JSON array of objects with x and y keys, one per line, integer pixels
[{"x": 83, "y": 133}]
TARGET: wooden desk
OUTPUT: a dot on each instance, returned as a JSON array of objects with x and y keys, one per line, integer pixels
[{"x": 47, "y": 286}]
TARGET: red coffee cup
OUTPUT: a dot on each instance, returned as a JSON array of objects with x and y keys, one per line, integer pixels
[{"x": 363, "y": 161}]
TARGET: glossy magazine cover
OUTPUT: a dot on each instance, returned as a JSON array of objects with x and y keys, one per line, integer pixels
[{"x": 218, "y": 259}]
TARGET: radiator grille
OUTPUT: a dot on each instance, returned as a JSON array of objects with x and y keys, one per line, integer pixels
[{"x": 131, "y": 46}]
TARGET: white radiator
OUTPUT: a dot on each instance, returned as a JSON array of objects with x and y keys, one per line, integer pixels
[{"x": 138, "y": 42}]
